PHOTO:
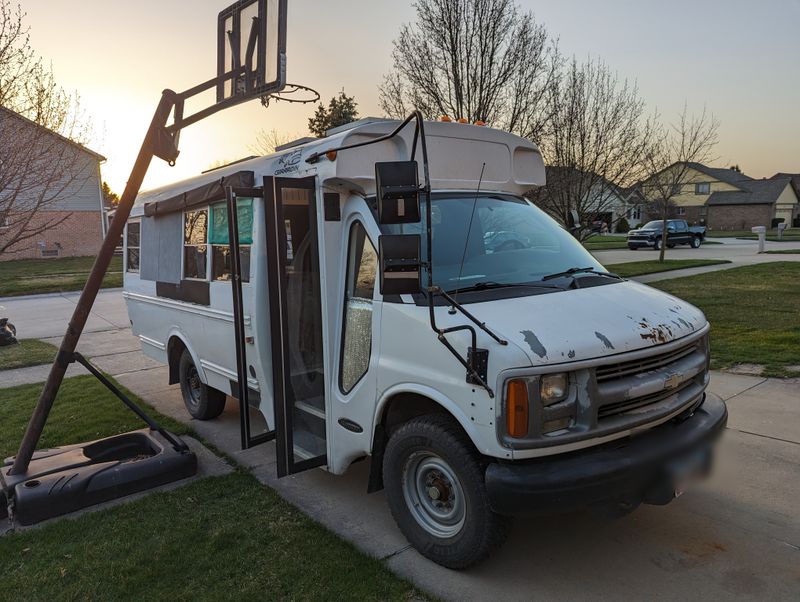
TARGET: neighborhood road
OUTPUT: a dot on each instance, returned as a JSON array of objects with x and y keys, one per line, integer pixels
[{"x": 736, "y": 536}]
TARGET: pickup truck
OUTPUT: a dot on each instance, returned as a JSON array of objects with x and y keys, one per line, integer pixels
[{"x": 678, "y": 233}]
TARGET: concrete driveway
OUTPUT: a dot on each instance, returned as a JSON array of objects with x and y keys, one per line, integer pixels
[
  {"x": 736, "y": 536},
  {"x": 738, "y": 252}
]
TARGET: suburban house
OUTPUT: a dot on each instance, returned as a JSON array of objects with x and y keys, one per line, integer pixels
[
  {"x": 51, "y": 202},
  {"x": 727, "y": 199},
  {"x": 594, "y": 197}
]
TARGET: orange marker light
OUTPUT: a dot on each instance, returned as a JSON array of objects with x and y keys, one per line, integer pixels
[
  {"x": 462, "y": 120},
  {"x": 480, "y": 123},
  {"x": 517, "y": 408},
  {"x": 331, "y": 155},
  {"x": 445, "y": 118}
]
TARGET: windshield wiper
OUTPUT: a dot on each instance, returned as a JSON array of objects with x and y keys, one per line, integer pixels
[
  {"x": 573, "y": 271},
  {"x": 483, "y": 286}
]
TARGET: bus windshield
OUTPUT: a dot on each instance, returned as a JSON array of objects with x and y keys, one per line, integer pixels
[{"x": 494, "y": 239}]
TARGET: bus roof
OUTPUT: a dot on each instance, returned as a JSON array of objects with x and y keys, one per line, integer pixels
[{"x": 460, "y": 156}]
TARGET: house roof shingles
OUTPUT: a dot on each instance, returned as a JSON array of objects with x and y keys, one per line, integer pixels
[{"x": 753, "y": 192}]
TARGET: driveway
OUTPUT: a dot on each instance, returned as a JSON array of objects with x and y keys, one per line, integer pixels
[{"x": 735, "y": 536}]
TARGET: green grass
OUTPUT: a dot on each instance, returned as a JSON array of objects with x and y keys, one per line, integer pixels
[
  {"x": 783, "y": 252},
  {"x": 754, "y": 313},
  {"x": 609, "y": 241},
  {"x": 792, "y": 234},
  {"x": 638, "y": 268},
  {"x": 215, "y": 539},
  {"x": 34, "y": 276},
  {"x": 29, "y": 352}
]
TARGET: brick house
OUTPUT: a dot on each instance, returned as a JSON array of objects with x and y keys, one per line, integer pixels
[
  {"x": 727, "y": 199},
  {"x": 40, "y": 168}
]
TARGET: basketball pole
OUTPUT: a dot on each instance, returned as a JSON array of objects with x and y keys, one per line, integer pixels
[{"x": 154, "y": 143}]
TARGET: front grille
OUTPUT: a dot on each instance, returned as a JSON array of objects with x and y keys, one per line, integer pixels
[
  {"x": 628, "y": 405},
  {"x": 633, "y": 367}
]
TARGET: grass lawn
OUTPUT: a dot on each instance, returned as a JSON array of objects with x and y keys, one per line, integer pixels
[
  {"x": 793, "y": 234},
  {"x": 638, "y": 268},
  {"x": 610, "y": 241},
  {"x": 217, "y": 538},
  {"x": 29, "y": 352},
  {"x": 783, "y": 252},
  {"x": 33, "y": 276},
  {"x": 754, "y": 313}
]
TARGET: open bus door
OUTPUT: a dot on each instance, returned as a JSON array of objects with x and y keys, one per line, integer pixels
[{"x": 296, "y": 323}]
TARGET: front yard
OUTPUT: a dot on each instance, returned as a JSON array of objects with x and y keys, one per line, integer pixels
[
  {"x": 754, "y": 313},
  {"x": 216, "y": 538},
  {"x": 34, "y": 276},
  {"x": 639, "y": 268},
  {"x": 29, "y": 352}
]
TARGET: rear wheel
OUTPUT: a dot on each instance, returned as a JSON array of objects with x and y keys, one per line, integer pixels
[
  {"x": 202, "y": 402},
  {"x": 695, "y": 242},
  {"x": 435, "y": 487},
  {"x": 632, "y": 248},
  {"x": 657, "y": 245}
]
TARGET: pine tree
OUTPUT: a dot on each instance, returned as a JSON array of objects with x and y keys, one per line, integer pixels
[{"x": 340, "y": 111}]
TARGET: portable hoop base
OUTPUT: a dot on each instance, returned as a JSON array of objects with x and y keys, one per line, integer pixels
[{"x": 65, "y": 479}]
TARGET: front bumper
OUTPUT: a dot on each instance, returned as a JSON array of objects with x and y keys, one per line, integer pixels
[
  {"x": 637, "y": 469},
  {"x": 641, "y": 242}
]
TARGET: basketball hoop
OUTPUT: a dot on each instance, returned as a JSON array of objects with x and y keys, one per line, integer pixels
[{"x": 286, "y": 95}]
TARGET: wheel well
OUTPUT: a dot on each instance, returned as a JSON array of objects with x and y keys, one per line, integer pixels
[
  {"x": 175, "y": 349},
  {"x": 398, "y": 410}
]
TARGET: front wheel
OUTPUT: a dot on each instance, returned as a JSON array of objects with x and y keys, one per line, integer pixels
[
  {"x": 657, "y": 245},
  {"x": 632, "y": 248},
  {"x": 435, "y": 487},
  {"x": 695, "y": 242}
]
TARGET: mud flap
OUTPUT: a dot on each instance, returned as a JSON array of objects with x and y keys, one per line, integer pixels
[{"x": 65, "y": 479}]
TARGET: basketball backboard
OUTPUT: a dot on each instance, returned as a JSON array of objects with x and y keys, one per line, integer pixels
[{"x": 251, "y": 49}]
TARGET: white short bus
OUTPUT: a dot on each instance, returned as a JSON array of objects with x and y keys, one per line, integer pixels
[{"x": 498, "y": 371}]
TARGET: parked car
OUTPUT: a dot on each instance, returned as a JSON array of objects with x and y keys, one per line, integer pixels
[{"x": 678, "y": 233}]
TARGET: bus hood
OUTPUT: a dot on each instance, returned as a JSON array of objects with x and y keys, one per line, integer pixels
[{"x": 582, "y": 324}]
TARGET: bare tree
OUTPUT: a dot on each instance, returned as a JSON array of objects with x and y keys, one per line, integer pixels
[
  {"x": 691, "y": 139},
  {"x": 41, "y": 128},
  {"x": 267, "y": 141},
  {"x": 595, "y": 143},
  {"x": 479, "y": 60}
]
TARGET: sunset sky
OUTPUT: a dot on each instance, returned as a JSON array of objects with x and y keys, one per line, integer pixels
[{"x": 739, "y": 58}]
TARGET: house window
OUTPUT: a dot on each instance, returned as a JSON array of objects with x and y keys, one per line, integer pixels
[
  {"x": 195, "y": 244},
  {"x": 132, "y": 246},
  {"x": 49, "y": 252},
  {"x": 703, "y": 211},
  {"x": 220, "y": 243},
  {"x": 702, "y": 188},
  {"x": 362, "y": 265},
  {"x": 681, "y": 210}
]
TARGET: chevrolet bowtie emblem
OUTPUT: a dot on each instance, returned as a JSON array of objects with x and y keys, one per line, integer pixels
[{"x": 673, "y": 381}]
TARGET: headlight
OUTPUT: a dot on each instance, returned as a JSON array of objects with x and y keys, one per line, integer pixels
[{"x": 553, "y": 388}]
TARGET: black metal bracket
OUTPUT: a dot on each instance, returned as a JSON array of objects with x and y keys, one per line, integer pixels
[{"x": 175, "y": 441}]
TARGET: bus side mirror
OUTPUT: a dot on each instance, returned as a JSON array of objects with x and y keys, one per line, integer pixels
[
  {"x": 400, "y": 264},
  {"x": 397, "y": 188}
]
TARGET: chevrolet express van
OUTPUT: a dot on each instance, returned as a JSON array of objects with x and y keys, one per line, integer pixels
[{"x": 388, "y": 293}]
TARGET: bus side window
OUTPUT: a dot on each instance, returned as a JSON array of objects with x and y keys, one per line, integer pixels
[
  {"x": 132, "y": 246},
  {"x": 362, "y": 263},
  {"x": 195, "y": 244}
]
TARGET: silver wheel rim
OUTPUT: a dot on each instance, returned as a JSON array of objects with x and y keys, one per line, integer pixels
[{"x": 434, "y": 495}]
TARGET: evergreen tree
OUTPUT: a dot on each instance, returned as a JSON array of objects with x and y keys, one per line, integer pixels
[{"x": 340, "y": 111}]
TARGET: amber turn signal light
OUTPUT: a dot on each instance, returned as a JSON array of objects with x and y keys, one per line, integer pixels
[
  {"x": 517, "y": 408},
  {"x": 445, "y": 118},
  {"x": 331, "y": 155}
]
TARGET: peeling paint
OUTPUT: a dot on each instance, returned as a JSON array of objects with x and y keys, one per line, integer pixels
[
  {"x": 604, "y": 339},
  {"x": 685, "y": 323},
  {"x": 658, "y": 334},
  {"x": 534, "y": 343},
  {"x": 571, "y": 354}
]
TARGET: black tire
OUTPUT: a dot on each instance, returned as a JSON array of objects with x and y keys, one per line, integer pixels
[
  {"x": 657, "y": 245},
  {"x": 670, "y": 245},
  {"x": 632, "y": 248},
  {"x": 695, "y": 242},
  {"x": 426, "y": 449},
  {"x": 201, "y": 401}
]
